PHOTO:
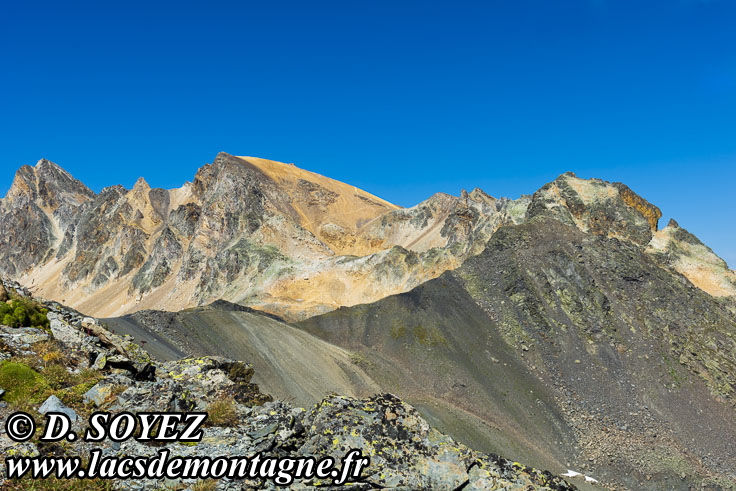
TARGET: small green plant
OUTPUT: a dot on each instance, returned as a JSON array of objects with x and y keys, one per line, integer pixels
[
  {"x": 240, "y": 372},
  {"x": 398, "y": 331},
  {"x": 360, "y": 359},
  {"x": 49, "y": 353}
]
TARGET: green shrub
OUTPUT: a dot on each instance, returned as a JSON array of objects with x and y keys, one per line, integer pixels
[{"x": 22, "y": 312}]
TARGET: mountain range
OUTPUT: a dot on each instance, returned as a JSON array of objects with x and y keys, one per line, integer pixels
[{"x": 564, "y": 328}]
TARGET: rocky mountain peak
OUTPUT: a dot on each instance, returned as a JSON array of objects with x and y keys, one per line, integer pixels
[
  {"x": 141, "y": 185},
  {"x": 23, "y": 186},
  {"x": 480, "y": 196},
  {"x": 48, "y": 185},
  {"x": 597, "y": 206}
]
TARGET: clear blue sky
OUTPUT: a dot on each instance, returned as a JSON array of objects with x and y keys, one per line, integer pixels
[{"x": 401, "y": 98}]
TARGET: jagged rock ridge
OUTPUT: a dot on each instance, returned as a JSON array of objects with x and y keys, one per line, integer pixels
[{"x": 248, "y": 230}]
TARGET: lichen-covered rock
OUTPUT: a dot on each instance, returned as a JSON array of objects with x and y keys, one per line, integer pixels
[
  {"x": 10, "y": 448},
  {"x": 64, "y": 332},
  {"x": 405, "y": 452},
  {"x": 193, "y": 384},
  {"x": 100, "y": 362},
  {"x": 99, "y": 394},
  {"x": 22, "y": 337}
]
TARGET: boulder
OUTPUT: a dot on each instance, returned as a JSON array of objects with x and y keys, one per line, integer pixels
[
  {"x": 139, "y": 369},
  {"x": 64, "y": 332},
  {"x": 100, "y": 362},
  {"x": 54, "y": 405}
]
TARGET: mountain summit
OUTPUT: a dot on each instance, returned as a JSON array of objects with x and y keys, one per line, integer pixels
[{"x": 285, "y": 240}]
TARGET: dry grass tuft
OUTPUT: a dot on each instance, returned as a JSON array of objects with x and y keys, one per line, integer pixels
[{"x": 222, "y": 413}]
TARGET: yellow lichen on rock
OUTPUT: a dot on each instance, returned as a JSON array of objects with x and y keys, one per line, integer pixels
[{"x": 647, "y": 210}]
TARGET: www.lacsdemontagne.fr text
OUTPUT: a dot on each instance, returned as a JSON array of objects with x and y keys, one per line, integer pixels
[{"x": 282, "y": 471}]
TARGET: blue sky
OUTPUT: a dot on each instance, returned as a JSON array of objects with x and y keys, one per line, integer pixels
[{"x": 403, "y": 99}]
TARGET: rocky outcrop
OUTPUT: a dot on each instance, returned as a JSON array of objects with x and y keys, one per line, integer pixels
[
  {"x": 598, "y": 207},
  {"x": 675, "y": 247}
]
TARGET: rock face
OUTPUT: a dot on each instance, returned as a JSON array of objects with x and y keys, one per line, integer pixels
[
  {"x": 675, "y": 247},
  {"x": 247, "y": 230},
  {"x": 39, "y": 207},
  {"x": 405, "y": 452},
  {"x": 597, "y": 207}
]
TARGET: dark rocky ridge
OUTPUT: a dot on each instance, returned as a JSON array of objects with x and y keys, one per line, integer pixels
[{"x": 633, "y": 367}]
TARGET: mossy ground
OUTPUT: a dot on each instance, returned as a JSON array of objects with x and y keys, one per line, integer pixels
[
  {"x": 20, "y": 381},
  {"x": 30, "y": 380}
]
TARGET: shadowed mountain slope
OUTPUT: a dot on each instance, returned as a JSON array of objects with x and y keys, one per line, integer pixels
[
  {"x": 294, "y": 366},
  {"x": 636, "y": 365}
]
